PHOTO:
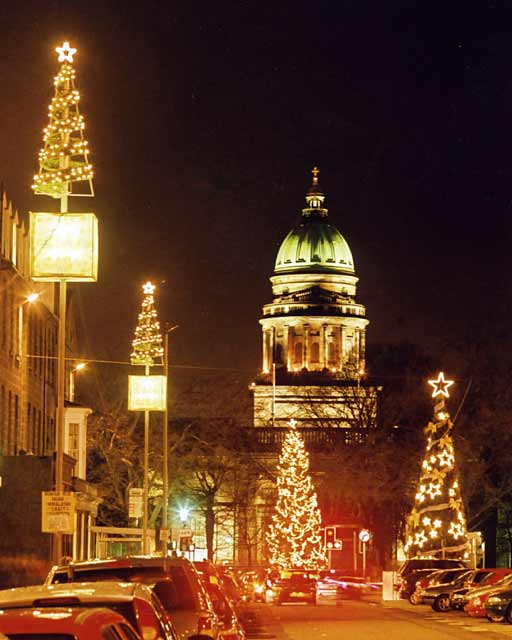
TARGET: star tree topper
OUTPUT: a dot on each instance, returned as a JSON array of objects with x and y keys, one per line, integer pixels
[
  {"x": 440, "y": 386},
  {"x": 65, "y": 52}
]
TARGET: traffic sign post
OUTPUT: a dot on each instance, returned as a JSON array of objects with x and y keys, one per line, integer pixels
[
  {"x": 135, "y": 502},
  {"x": 364, "y": 538}
]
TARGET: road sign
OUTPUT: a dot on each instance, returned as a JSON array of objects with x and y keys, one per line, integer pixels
[
  {"x": 58, "y": 512},
  {"x": 135, "y": 502}
]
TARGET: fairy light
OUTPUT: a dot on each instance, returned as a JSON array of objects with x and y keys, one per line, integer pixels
[
  {"x": 147, "y": 342},
  {"x": 64, "y": 158},
  {"x": 437, "y": 523},
  {"x": 294, "y": 537}
]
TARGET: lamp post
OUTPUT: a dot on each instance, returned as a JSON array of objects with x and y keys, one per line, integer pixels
[
  {"x": 164, "y": 533},
  {"x": 54, "y": 238}
]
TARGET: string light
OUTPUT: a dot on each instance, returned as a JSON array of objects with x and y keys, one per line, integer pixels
[
  {"x": 64, "y": 159},
  {"x": 294, "y": 538},
  {"x": 437, "y": 523},
  {"x": 147, "y": 343}
]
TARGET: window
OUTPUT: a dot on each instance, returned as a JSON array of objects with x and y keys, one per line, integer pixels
[
  {"x": 315, "y": 352},
  {"x": 74, "y": 440},
  {"x": 297, "y": 354}
]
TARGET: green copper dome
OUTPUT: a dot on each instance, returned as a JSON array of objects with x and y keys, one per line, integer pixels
[{"x": 314, "y": 245}]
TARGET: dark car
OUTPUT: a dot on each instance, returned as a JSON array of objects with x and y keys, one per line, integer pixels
[
  {"x": 296, "y": 588},
  {"x": 406, "y": 586},
  {"x": 175, "y": 581},
  {"x": 499, "y": 606}
]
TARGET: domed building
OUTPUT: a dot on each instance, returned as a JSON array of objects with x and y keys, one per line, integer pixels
[{"x": 314, "y": 329}]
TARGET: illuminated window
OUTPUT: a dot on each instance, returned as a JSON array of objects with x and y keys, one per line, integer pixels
[
  {"x": 298, "y": 353},
  {"x": 74, "y": 440}
]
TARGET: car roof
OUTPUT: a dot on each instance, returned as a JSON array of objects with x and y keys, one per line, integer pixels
[
  {"x": 58, "y": 619},
  {"x": 125, "y": 561},
  {"x": 76, "y": 592}
]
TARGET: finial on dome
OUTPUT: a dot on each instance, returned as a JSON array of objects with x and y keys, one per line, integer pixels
[{"x": 315, "y": 196}]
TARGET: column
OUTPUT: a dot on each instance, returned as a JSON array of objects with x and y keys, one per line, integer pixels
[
  {"x": 288, "y": 346},
  {"x": 272, "y": 346},
  {"x": 266, "y": 364},
  {"x": 362, "y": 348},
  {"x": 323, "y": 347}
]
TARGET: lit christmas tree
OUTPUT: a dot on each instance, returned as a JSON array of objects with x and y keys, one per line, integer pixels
[
  {"x": 294, "y": 538},
  {"x": 437, "y": 526},
  {"x": 147, "y": 343},
  {"x": 64, "y": 157}
]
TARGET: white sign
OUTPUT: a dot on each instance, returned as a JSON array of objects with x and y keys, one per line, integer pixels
[
  {"x": 135, "y": 503},
  {"x": 58, "y": 512}
]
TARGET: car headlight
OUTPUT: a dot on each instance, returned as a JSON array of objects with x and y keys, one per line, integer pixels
[{"x": 494, "y": 600}]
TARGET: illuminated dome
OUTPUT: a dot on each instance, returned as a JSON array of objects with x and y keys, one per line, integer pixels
[{"x": 314, "y": 245}]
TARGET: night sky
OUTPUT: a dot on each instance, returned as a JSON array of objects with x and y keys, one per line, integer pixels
[{"x": 204, "y": 120}]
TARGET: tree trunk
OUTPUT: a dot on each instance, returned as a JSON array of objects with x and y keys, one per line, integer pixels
[{"x": 209, "y": 521}]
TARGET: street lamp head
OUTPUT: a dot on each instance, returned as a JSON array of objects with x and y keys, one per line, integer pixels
[
  {"x": 32, "y": 297},
  {"x": 183, "y": 513},
  {"x": 80, "y": 366}
]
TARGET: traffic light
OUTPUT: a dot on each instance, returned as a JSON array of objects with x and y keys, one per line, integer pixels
[{"x": 330, "y": 537}]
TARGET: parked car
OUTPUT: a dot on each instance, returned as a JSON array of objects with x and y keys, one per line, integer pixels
[
  {"x": 439, "y": 577},
  {"x": 499, "y": 605},
  {"x": 477, "y": 598},
  {"x": 135, "y": 602},
  {"x": 297, "y": 587},
  {"x": 438, "y": 596},
  {"x": 181, "y": 592},
  {"x": 474, "y": 580},
  {"x": 429, "y": 563},
  {"x": 406, "y": 585},
  {"x": 74, "y": 622},
  {"x": 231, "y": 627}
]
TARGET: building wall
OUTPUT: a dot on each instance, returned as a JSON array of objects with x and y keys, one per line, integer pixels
[{"x": 28, "y": 346}]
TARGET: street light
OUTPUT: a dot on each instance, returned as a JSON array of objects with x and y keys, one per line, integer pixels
[{"x": 164, "y": 533}]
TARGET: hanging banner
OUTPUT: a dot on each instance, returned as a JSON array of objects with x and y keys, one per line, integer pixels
[
  {"x": 63, "y": 246},
  {"x": 147, "y": 393}
]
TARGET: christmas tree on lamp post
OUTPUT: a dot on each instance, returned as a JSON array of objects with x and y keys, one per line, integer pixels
[
  {"x": 63, "y": 246},
  {"x": 147, "y": 393},
  {"x": 294, "y": 538},
  {"x": 437, "y": 525}
]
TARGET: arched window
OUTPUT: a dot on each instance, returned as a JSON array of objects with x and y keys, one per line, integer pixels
[
  {"x": 315, "y": 352},
  {"x": 297, "y": 353}
]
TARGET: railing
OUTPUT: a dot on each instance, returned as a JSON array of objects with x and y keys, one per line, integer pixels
[{"x": 270, "y": 439}]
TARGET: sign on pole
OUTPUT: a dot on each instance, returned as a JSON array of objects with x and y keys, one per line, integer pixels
[
  {"x": 58, "y": 512},
  {"x": 135, "y": 502}
]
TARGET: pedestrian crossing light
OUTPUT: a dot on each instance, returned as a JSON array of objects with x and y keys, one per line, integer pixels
[{"x": 330, "y": 537}]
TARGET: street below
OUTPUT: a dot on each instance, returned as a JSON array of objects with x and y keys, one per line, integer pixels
[{"x": 367, "y": 620}]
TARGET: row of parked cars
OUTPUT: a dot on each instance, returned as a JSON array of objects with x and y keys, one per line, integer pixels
[
  {"x": 481, "y": 593},
  {"x": 130, "y": 598}
]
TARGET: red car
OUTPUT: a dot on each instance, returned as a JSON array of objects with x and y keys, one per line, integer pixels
[
  {"x": 78, "y": 623},
  {"x": 476, "y": 599}
]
